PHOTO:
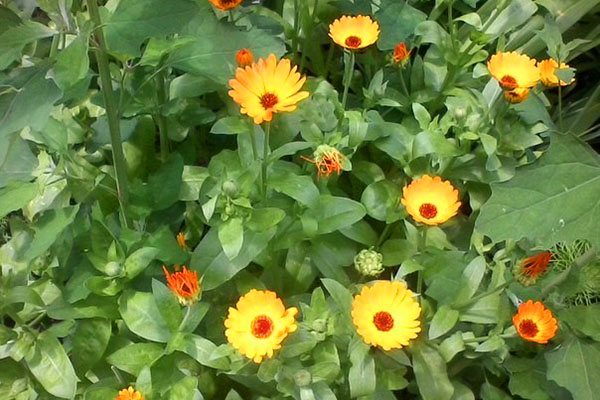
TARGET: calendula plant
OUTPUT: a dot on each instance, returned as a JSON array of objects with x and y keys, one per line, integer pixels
[{"x": 285, "y": 199}]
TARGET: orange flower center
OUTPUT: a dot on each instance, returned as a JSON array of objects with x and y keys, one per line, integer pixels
[
  {"x": 508, "y": 82},
  {"x": 428, "y": 210},
  {"x": 528, "y": 328},
  {"x": 262, "y": 327},
  {"x": 383, "y": 321},
  {"x": 268, "y": 100},
  {"x": 226, "y": 3},
  {"x": 353, "y": 41}
]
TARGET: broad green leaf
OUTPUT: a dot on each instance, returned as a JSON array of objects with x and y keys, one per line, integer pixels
[
  {"x": 185, "y": 389},
  {"x": 491, "y": 392},
  {"x": 515, "y": 14},
  {"x": 382, "y": 201},
  {"x": 139, "y": 260},
  {"x": 299, "y": 188},
  {"x": 165, "y": 183},
  {"x": 555, "y": 199},
  {"x": 140, "y": 313},
  {"x": 398, "y": 22},
  {"x": 265, "y": 218},
  {"x": 21, "y": 294},
  {"x": 396, "y": 251},
  {"x": 361, "y": 232},
  {"x": 233, "y": 126},
  {"x": 143, "y": 383},
  {"x": 152, "y": 19},
  {"x": 200, "y": 349},
  {"x": 444, "y": 319},
  {"x": 192, "y": 179},
  {"x": 89, "y": 342},
  {"x": 16, "y": 196},
  {"x": 340, "y": 294},
  {"x": 14, "y": 39},
  {"x": 48, "y": 228},
  {"x": 471, "y": 278},
  {"x": 574, "y": 366},
  {"x": 361, "y": 376},
  {"x": 231, "y": 236},
  {"x": 333, "y": 213},
  {"x": 13, "y": 375},
  {"x": 583, "y": 319},
  {"x": 52, "y": 368},
  {"x": 430, "y": 372},
  {"x": 212, "y": 264},
  {"x": 134, "y": 357},
  {"x": 17, "y": 162},
  {"x": 528, "y": 378},
  {"x": 428, "y": 142},
  {"x": 167, "y": 304},
  {"x": 72, "y": 63}
]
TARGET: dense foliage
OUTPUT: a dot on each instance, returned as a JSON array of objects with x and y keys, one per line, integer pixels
[{"x": 144, "y": 212}]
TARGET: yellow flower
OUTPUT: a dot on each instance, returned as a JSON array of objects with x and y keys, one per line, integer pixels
[
  {"x": 534, "y": 322},
  {"x": 259, "y": 323},
  {"x": 267, "y": 87},
  {"x": 386, "y": 315},
  {"x": 547, "y": 73},
  {"x": 528, "y": 271},
  {"x": 226, "y": 4},
  {"x": 244, "y": 57},
  {"x": 430, "y": 200},
  {"x": 513, "y": 70},
  {"x": 129, "y": 394},
  {"x": 517, "y": 95},
  {"x": 354, "y": 32}
]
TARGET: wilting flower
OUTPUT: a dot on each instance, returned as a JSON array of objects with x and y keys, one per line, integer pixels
[
  {"x": 368, "y": 262},
  {"x": 513, "y": 70},
  {"x": 244, "y": 57},
  {"x": 259, "y": 323},
  {"x": 400, "y": 55},
  {"x": 430, "y": 200},
  {"x": 517, "y": 95},
  {"x": 226, "y": 4},
  {"x": 548, "y": 73},
  {"x": 534, "y": 322},
  {"x": 529, "y": 270},
  {"x": 354, "y": 32},
  {"x": 129, "y": 394},
  {"x": 386, "y": 315},
  {"x": 327, "y": 159},
  {"x": 267, "y": 87},
  {"x": 185, "y": 285},
  {"x": 181, "y": 240}
]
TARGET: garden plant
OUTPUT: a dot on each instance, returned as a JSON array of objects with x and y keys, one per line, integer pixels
[{"x": 299, "y": 199}]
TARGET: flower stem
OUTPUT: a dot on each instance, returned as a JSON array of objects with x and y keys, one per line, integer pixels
[
  {"x": 560, "y": 111},
  {"x": 265, "y": 156},
  {"x": 347, "y": 79},
  {"x": 480, "y": 296},
  {"x": 111, "y": 110},
  {"x": 160, "y": 119}
]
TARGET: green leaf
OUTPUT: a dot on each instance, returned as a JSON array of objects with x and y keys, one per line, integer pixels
[
  {"x": 398, "y": 22},
  {"x": 231, "y": 236},
  {"x": 430, "y": 372},
  {"x": 396, "y": 251},
  {"x": 165, "y": 183},
  {"x": 333, "y": 213},
  {"x": 17, "y": 162},
  {"x": 583, "y": 319},
  {"x": 556, "y": 199},
  {"x": 299, "y": 188},
  {"x": 428, "y": 142},
  {"x": 52, "y": 368},
  {"x": 89, "y": 342},
  {"x": 167, "y": 304},
  {"x": 192, "y": 179},
  {"x": 444, "y": 319},
  {"x": 16, "y": 196},
  {"x": 134, "y": 357},
  {"x": 15, "y": 38},
  {"x": 73, "y": 63},
  {"x": 491, "y": 392},
  {"x": 515, "y": 14},
  {"x": 233, "y": 126},
  {"x": 48, "y": 228},
  {"x": 140, "y": 313},
  {"x": 22, "y": 294},
  {"x": 139, "y": 260},
  {"x": 185, "y": 389},
  {"x": 265, "y": 218},
  {"x": 151, "y": 18},
  {"x": 382, "y": 201},
  {"x": 574, "y": 366},
  {"x": 340, "y": 294},
  {"x": 361, "y": 376},
  {"x": 201, "y": 350}
]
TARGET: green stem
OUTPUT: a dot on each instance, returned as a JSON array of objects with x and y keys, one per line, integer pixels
[
  {"x": 490, "y": 292},
  {"x": 163, "y": 131},
  {"x": 265, "y": 157},
  {"x": 296, "y": 30},
  {"x": 403, "y": 83},
  {"x": 560, "y": 108},
  {"x": 111, "y": 111},
  {"x": 54, "y": 45},
  {"x": 347, "y": 79},
  {"x": 383, "y": 236}
]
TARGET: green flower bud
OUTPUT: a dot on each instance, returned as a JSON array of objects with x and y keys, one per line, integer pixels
[
  {"x": 302, "y": 378},
  {"x": 113, "y": 268},
  {"x": 319, "y": 325},
  {"x": 229, "y": 188},
  {"x": 369, "y": 262}
]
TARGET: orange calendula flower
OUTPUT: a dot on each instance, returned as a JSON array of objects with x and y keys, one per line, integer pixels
[
  {"x": 328, "y": 160},
  {"x": 386, "y": 315},
  {"x": 226, "y": 4},
  {"x": 185, "y": 284},
  {"x": 529, "y": 270},
  {"x": 430, "y": 200},
  {"x": 244, "y": 57},
  {"x": 259, "y": 323},
  {"x": 267, "y": 87},
  {"x": 513, "y": 70},
  {"x": 181, "y": 240},
  {"x": 548, "y": 73},
  {"x": 354, "y": 32},
  {"x": 517, "y": 95},
  {"x": 129, "y": 394},
  {"x": 400, "y": 55},
  {"x": 534, "y": 322}
]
